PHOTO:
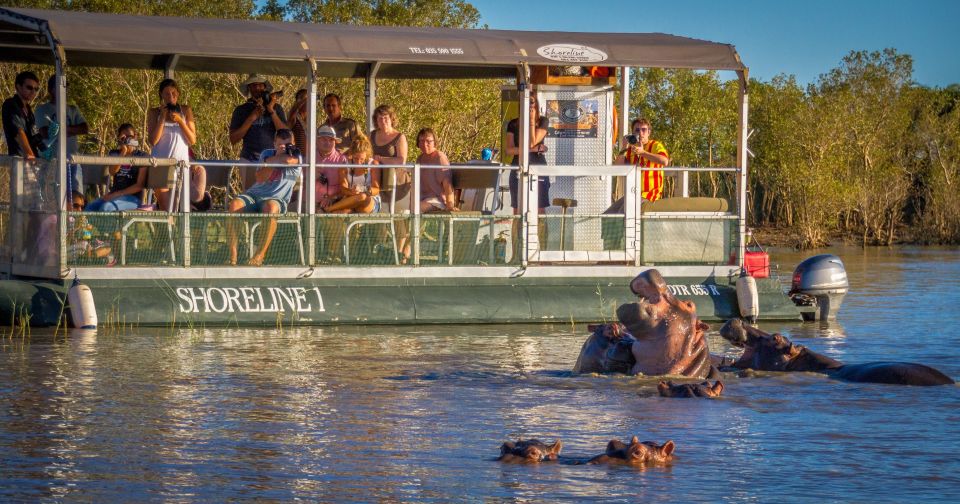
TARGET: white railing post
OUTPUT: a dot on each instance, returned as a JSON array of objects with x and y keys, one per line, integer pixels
[
  {"x": 185, "y": 208},
  {"x": 742, "y": 135},
  {"x": 415, "y": 233},
  {"x": 311, "y": 187}
]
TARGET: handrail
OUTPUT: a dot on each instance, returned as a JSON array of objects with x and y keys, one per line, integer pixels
[{"x": 127, "y": 160}]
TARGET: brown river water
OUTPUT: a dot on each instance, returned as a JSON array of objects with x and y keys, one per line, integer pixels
[{"x": 418, "y": 413}]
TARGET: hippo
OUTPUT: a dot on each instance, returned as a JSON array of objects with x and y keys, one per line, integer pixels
[
  {"x": 531, "y": 451},
  {"x": 774, "y": 352},
  {"x": 669, "y": 389},
  {"x": 635, "y": 453},
  {"x": 663, "y": 334}
]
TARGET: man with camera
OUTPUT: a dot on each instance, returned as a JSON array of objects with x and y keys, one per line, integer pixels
[
  {"x": 644, "y": 152},
  {"x": 257, "y": 120},
  {"x": 270, "y": 194}
]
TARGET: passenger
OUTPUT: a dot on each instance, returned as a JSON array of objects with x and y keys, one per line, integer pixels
[
  {"x": 126, "y": 191},
  {"x": 19, "y": 123},
  {"x": 346, "y": 128},
  {"x": 256, "y": 121},
  {"x": 645, "y": 153},
  {"x": 436, "y": 184},
  {"x": 81, "y": 236},
  {"x": 171, "y": 131},
  {"x": 297, "y": 119},
  {"x": 390, "y": 147},
  {"x": 270, "y": 194},
  {"x": 328, "y": 178},
  {"x": 538, "y": 131},
  {"x": 46, "y": 114},
  {"x": 200, "y": 199},
  {"x": 360, "y": 183}
]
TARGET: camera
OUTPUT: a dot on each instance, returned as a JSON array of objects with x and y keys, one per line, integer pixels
[
  {"x": 323, "y": 179},
  {"x": 632, "y": 139},
  {"x": 278, "y": 94},
  {"x": 174, "y": 107},
  {"x": 291, "y": 150},
  {"x": 130, "y": 142}
]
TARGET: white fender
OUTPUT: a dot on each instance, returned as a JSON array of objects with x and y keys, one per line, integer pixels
[
  {"x": 83, "y": 311},
  {"x": 748, "y": 299}
]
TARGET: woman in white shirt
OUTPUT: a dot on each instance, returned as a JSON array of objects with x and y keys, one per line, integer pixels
[{"x": 171, "y": 130}]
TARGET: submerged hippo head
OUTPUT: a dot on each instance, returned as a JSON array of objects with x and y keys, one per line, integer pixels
[
  {"x": 636, "y": 453},
  {"x": 669, "y": 389},
  {"x": 529, "y": 451}
]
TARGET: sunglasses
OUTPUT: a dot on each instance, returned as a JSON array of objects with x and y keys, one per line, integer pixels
[
  {"x": 32, "y": 88},
  {"x": 638, "y": 130}
]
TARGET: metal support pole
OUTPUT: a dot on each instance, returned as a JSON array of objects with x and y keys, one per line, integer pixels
[
  {"x": 63, "y": 195},
  {"x": 370, "y": 92},
  {"x": 417, "y": 222},
  {"x": 624, "y": 105},
  {"x": 311, "y": 188},
  {"x": 742, "y": 134},
  {"x": 527, "y": 188},
  {"x": 184, "y": 169},
  {"x": 170, "y": 66}
]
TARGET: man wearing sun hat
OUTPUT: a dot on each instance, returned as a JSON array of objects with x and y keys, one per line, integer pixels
[{"x": 256, "y": 121}]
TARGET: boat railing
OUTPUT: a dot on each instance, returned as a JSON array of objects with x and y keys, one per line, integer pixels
[
  {"x": 586, "y": 224},
  {"x": 579, "y": 227}
]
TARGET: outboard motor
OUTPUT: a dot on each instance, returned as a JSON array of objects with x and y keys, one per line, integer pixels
[{"x": 821, "y": 282}]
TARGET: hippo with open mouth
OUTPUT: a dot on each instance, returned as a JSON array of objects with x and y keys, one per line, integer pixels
[
  {"x": 657, "y": 335},
  {"x": 635, "y": 453},
  {"x": 531, "y": 451},
  {"x": 774, "y": 352}
]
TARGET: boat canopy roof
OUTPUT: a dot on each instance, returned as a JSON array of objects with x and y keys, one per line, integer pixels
[{"x": 282, "y": 48}]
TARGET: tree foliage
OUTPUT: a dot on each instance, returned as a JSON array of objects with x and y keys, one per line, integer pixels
[{"x": 862, "y": 152}]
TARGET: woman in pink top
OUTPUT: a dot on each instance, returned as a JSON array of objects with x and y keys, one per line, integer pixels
[{"x": 436, "y": 184}]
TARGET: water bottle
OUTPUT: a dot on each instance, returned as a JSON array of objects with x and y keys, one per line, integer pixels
[{"x": 500, "y": 248}]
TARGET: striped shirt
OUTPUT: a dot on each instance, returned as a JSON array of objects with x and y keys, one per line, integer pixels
[{"x": 652, "y": 188}]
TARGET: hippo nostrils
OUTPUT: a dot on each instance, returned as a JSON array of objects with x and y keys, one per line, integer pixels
[
  {"x": 669, "y": 389},
  {"x": 774, "y": 352},
  {"x": 663, "y": 334},
  {"x": 529, "y": 451},
  {"x": 635, "y": 453}
]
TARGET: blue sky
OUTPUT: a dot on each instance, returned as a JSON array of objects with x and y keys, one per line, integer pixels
[{"x": 804, "y": 39}]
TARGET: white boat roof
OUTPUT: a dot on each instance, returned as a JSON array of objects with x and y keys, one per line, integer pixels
[{"x": 281, "y": 48}]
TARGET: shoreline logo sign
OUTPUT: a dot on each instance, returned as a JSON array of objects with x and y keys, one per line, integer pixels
[
  {"x": 572, "y": 53},
  {"x": 249, "y": 299}
]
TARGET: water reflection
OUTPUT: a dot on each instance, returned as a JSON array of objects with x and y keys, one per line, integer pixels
[{"x": 388, "y": 413}]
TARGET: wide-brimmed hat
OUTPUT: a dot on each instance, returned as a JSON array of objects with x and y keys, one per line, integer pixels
[
  {"x": 327, "y": 131},
  {"x": 253, "y": 79}
]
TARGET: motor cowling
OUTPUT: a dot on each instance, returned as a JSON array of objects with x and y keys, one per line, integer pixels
[{"x": 820, "y": 281}]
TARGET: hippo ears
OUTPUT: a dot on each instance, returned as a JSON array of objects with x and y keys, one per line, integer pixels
[
  {"x": 555, "y": 448},
  {"x": 506, "y": 448},
  {"x": 667, "y": 448},
  {"x": 634, "y": 440},
  {"x": 717, "y": 387}
]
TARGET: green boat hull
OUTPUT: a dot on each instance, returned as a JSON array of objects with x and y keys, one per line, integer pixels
[{"x": 312, "y": 301}]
